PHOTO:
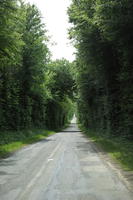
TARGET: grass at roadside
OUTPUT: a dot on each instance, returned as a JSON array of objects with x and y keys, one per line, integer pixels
[
  {"x": 118, "y": 148},
  {"x": 11, "y": 141}
]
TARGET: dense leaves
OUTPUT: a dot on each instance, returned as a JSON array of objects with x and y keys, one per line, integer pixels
[
  {"x": 60, "y": 107},
  {"x": 33, "y": 90},
  {"x": 102, "y": 32},
  {"x": 11, "y": 45}
]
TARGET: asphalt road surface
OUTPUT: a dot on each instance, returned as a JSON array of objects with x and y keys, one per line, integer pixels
[{"x": 65, "y": 166}]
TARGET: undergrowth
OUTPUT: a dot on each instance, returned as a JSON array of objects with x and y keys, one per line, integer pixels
[
  {"x": 11, "y": 141},
  {"x": 119, "y": 148}
]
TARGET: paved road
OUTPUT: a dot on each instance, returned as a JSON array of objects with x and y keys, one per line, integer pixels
[{"x": 63, "y": 167}]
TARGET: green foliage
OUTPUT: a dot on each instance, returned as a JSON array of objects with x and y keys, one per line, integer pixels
[
  {"x": 11, "y": 45},
  {"x": 59, "y": 109},
  {"x": 23, "y": 55},
  {"x": 11, "y": 141},
  {"x": 102, "y": 33},
  {"x": 35, "y": 57},
  {"x": 34, "y": 92},
  {"x": 118, "y": 148}
]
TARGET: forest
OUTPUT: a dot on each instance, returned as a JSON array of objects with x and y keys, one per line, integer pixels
[
  {"x": 37, "y": 92},
  {"x": 102, "y": 33},
  {"x": 33, "y": 92}
]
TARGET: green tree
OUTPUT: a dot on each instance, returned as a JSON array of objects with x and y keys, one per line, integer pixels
[
  {"x": 114, "y": 19},
  {"x": 35, "y": 57},
  {"x": 102, "y": 33},
  {"x": 10, "y": 61},
  {"x": 60, "y": 105},
  {"x": 29, "y": 82}
]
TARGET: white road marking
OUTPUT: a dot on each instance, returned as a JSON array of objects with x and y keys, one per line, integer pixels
[{"x": 50, "y": 160}]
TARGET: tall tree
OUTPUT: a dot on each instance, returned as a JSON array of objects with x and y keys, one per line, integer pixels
[
  {"x": 35, "y": 56},
  {"x": 60, "y": 109},
  {"x": 10, "y": 61},
  {"x": 102, "y": 32}
]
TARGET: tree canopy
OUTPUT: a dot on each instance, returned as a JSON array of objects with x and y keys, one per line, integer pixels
[
  {"x": 29, "y": 81},
  {"x": 102, "y": 33}
]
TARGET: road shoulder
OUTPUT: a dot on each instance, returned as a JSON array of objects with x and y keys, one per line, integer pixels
[{"x": 124, "y": 175}]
